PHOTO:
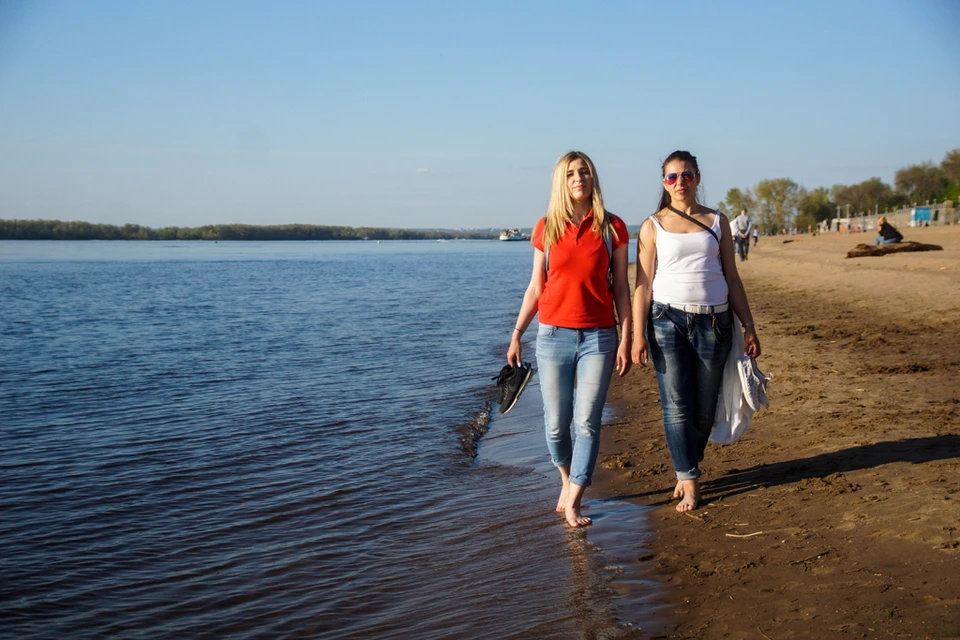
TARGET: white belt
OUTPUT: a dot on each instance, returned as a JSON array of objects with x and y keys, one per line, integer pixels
[{"x": 699, "y": 308}]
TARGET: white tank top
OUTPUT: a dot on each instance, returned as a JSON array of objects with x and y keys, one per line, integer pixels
[{"x": 688, "y": 267}]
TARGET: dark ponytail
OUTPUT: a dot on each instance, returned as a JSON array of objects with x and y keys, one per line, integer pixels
[
  {"x": 664, "y": 199},
  {"x": 681, "y": 156}
]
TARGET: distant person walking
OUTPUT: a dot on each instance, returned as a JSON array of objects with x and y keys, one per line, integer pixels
[
  {"x": 687, "y": 285},
  {"x": 741, "y": 228},
  {"x": 756, "y": 236},
  {"x": 886, "y": 232},
  {"x": 576, "y": 246}
]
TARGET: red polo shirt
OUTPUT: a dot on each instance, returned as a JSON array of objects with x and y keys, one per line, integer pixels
[{"x": 576, "y": 294}]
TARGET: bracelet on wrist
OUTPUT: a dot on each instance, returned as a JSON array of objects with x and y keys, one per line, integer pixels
[
  {"x": 518, "y": 329},
  {"x": 747, "y": 324}
]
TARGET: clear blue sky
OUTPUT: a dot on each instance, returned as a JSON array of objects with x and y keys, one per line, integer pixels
[{"x": 450, "y": 114}]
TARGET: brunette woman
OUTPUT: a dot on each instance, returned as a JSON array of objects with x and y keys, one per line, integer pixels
[
  {"x": 577, "y": 245},
  {"x": 687, "y": 286}
]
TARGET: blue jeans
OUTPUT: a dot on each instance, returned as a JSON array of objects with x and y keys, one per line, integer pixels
[
  {"x": 689, "y": 351},
  {"x": 882, "y": 240},
  {"x": 741, "y": 246},
  {"x": 575, "y": 367}
]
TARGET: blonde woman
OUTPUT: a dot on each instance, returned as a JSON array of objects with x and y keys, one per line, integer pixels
[
  {"x": 886, "y": 233},
  {"x": 577, "y": 246}
]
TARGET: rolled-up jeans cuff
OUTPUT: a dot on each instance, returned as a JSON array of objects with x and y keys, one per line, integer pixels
[{"x": 693, "y": 474}]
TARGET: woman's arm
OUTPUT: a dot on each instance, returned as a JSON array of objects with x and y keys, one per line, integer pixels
[
  {"x": 528, "y": 309},
  {"x": 737, "y": 295},
  {"x": 621, "y": 299},
  {"x": 646, "y": 265}
]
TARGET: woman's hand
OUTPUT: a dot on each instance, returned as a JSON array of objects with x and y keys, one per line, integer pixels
[
  {"x": 751, "y": 343},
  {"x": 641, "y": 352},
  {"x": 623, "y": 358},
  {"x": 515, "y": 352}
]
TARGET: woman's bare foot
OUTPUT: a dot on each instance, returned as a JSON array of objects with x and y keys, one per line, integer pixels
[
  {"x": 571, "y": 510},
  {"x": 575, "y": 518},
  {"x": 678, "y": 492},
  {"x": 565, "y": 489},
  {"x": 562, "y": 502},
  {"x": 689, "y": 491}
]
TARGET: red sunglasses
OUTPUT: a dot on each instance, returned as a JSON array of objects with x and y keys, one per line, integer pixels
[{"x": 671, "y": 178}]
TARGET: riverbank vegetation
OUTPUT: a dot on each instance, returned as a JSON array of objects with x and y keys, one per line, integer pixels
[
  {"x": 775, "y": 204},
  {"x": 60, "y": 230},
  {"x": 781, "y": 203}
]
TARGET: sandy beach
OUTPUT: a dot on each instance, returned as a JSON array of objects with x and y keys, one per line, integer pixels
[{"x": 838, "y": 513}]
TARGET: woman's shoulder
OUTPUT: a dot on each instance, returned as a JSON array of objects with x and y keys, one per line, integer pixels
[
  {"x": 621, "y": 235},
  {"x": 653, "y": 220},
  {"x": 616, "y": 221},
  {"x": 721, "y": 216},
  {"x": 649, "y": 226},
  {"x": 656, "y": 216},
  {"x": 536, "y": 237},
  {"x": 539, "y": 227}
]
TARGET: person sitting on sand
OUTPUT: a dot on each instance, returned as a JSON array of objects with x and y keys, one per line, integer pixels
[
  {"x": 687, "y": 284},
  {"x": 886, "y": 232},
  {"x": 577, "y": 338}
]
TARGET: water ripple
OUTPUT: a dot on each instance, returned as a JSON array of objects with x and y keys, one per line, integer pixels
[{"x": 264, "y": 441}]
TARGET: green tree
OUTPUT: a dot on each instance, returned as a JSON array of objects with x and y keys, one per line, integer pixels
[
  {"x": 814, "y": 207},
  {"x": 738, "y": 200},
  {"x": 921, "y": 182},
  {"x": 777, "y": 200},
  {"x": 866, "y": 197},
  {"x": 951, "y": 169},
  {"x": 951, "y": 166}
]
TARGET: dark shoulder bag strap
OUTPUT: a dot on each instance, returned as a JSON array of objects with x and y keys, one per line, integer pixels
[
  {"x": 608, "y": 241},
  {"x": 696, "y": 222},
  {"x": 700, "y": 224}
]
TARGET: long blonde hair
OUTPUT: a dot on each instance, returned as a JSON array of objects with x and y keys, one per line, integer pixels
[{"x": 560, "y": 209}]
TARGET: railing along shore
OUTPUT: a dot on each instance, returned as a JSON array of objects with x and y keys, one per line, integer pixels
[{"x": 942, "y": 213}]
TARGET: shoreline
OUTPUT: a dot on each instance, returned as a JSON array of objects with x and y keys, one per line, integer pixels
[{"x": 838, "y": 512}]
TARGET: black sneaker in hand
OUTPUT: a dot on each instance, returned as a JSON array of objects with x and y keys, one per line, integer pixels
[{"x": 511, "y": 382}]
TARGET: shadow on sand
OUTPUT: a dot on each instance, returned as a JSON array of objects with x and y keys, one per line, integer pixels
[{"x": 737, "y": 481}]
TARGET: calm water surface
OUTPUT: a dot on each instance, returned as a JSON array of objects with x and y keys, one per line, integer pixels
[{"x": 254, "y": 440}]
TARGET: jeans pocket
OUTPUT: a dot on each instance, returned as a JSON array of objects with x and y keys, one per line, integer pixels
[
  {"x": 657, "y": 310},
  {"x": 607, "y": 340},
  {"x": 723, "y": 326},
  {"x": 546, "y": 331}
]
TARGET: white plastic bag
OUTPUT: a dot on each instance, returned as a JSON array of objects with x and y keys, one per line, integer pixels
[{"x": 733, "y": 413}]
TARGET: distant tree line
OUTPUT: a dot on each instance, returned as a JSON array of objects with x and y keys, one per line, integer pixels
[
  {"x": 58, "y": 230},
  {"x": 781, "y": 203}
]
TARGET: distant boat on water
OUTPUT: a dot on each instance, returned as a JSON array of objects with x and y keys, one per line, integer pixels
[{"x": 511, "y": 234}]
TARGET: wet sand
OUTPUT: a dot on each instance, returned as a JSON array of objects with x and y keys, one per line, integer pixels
[{"x": 838, "y": 512}]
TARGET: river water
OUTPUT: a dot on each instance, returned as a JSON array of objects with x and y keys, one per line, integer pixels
[{"x": 268, "y": 440}]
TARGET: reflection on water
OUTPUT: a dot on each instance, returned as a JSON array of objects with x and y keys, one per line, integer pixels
[{"x": 609, "y": 594}]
